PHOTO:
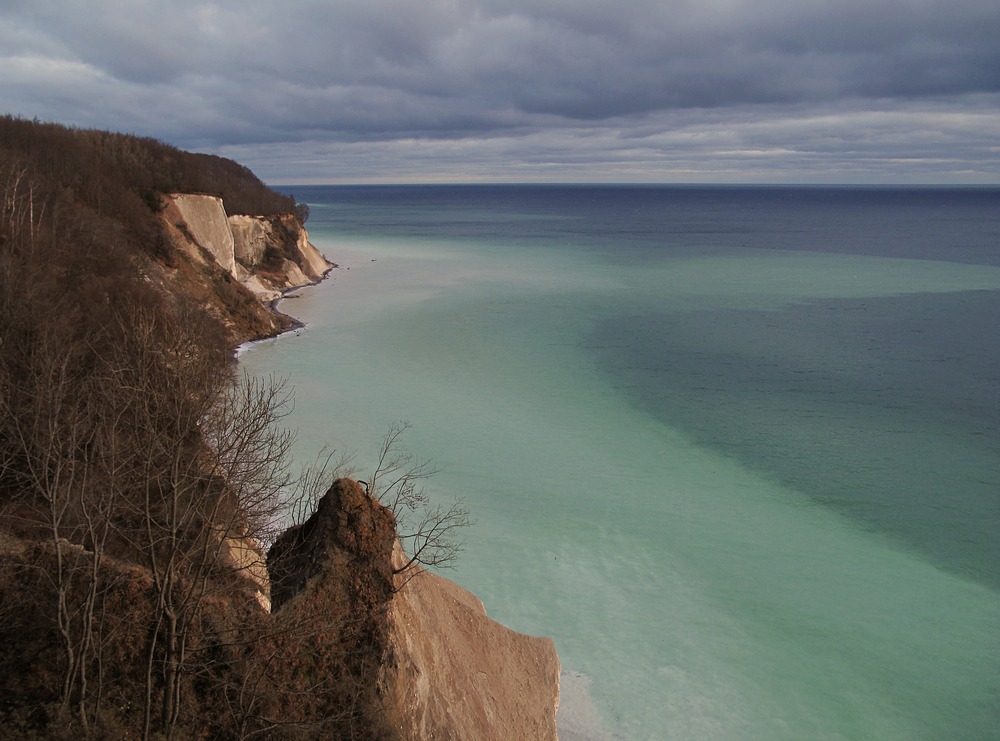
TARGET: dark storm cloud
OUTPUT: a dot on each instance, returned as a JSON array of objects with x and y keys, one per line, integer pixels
[{"x": 225, "y": 73}]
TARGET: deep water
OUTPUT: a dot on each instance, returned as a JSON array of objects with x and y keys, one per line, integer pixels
[{"x": 735, "y": 449}]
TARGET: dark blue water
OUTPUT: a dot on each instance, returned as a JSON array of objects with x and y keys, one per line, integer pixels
[
  {"x": 886, "y": 410},
  {"x": 626, "y": 222}
]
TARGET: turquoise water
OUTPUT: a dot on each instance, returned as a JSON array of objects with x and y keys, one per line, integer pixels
[{"x": 735, "y": 451}]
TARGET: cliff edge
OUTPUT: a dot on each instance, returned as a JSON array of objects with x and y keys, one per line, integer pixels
[
  {"x": 447, "y": 671},
  {"x": 454, "y": 673}
]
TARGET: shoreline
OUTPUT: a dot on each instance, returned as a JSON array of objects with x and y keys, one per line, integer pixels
[
  {"x": 273, "y": 303},
  {"x": 272, "y": 306}
]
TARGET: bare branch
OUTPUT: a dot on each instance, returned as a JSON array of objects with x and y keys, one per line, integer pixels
[
  {"x": 429, "y": 534},
  {"x": 313, "y": 481}
]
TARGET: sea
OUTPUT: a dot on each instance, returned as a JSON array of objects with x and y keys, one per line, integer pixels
[{"x": 736, "y": 450}]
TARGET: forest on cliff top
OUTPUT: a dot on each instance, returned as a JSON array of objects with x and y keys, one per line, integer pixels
[{"x": 139, "y": 472}]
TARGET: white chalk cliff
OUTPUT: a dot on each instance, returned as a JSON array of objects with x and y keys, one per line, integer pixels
[
  {"x": 458, "y": 674},
  {"x": 240, "y": 244},
  {"x": 205, "y": 220}
]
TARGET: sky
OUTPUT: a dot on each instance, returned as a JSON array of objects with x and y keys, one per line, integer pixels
[{"x": 672, "y": 91}]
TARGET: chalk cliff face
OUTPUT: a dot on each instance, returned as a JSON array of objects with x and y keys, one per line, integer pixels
[
  {"x": 315, "y": 266},
  {"x": 251, "y": 235},
  {"x": 454, "y": 673},
  {"x": 447, "y": 670},
  {"x": 274, "y": 255},
  {"x": 268, "y": 255},
  {"x": 205, "y": 219}
]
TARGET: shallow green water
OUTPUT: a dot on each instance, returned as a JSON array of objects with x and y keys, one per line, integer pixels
[{"x": 615, "y": 431}]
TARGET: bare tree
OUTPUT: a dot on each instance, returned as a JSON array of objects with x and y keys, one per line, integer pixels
[
  {"x": 209, "y": 460},
  {"x": 259, "y": 680},
  {"x": 22, "y": 203},
  {"x": 428, "y": 533},
  {"x": 47, "y": 437},
  {"x": 252, "y": 454}
]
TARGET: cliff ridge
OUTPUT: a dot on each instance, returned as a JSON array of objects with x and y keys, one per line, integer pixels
[{"x": 447, "y": 671}]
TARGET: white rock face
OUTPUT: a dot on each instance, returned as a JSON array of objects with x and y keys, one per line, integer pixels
[
  {"x": 261, "y": 291},
  {"x": 295, "y": 276},
  {"x": 206, "y": 220},
  {"x": 457, "y": 674},
  {"x": 316, "y": 264},
  {"x": 238, "y": 244},
  {"x": 250, "y": 235},
  {"x": 246, "y": 557}
]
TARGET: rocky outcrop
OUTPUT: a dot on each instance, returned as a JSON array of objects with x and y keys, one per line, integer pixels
[
  {"x": 346, "y": 543},
  {"x": 331, "y": 582},
  {"x": 447, "y": 670}
]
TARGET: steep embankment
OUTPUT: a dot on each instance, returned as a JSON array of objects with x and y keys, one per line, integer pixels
[
  {"x": 455, "y": 673},
  {"x": 447, "y": 670},
  {"x": 202, "y": 222}
]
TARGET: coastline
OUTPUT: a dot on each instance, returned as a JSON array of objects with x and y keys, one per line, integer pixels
[
  {"x": 272, "y": 306},
  {"x": 273, "y": 303}
]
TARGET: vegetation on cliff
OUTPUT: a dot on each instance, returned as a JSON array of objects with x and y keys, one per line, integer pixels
[
  {"x": 118, "y": 175},
  {"x": 138, "y": 469}
]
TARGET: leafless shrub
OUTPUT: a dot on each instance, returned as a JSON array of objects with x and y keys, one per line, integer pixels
[{"x": 429, "y": 534}]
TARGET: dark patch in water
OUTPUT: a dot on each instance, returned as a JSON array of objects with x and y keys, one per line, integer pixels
[{"x": 886, "y": 410}]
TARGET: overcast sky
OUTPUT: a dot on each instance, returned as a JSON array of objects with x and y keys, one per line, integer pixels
[{"x": 317, "y": 91}]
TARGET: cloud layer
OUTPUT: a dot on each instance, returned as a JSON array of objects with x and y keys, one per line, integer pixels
[{"x": 855, "y": 90}]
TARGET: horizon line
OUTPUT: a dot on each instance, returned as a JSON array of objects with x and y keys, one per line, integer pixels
[{"x": 614, "y": 183}]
